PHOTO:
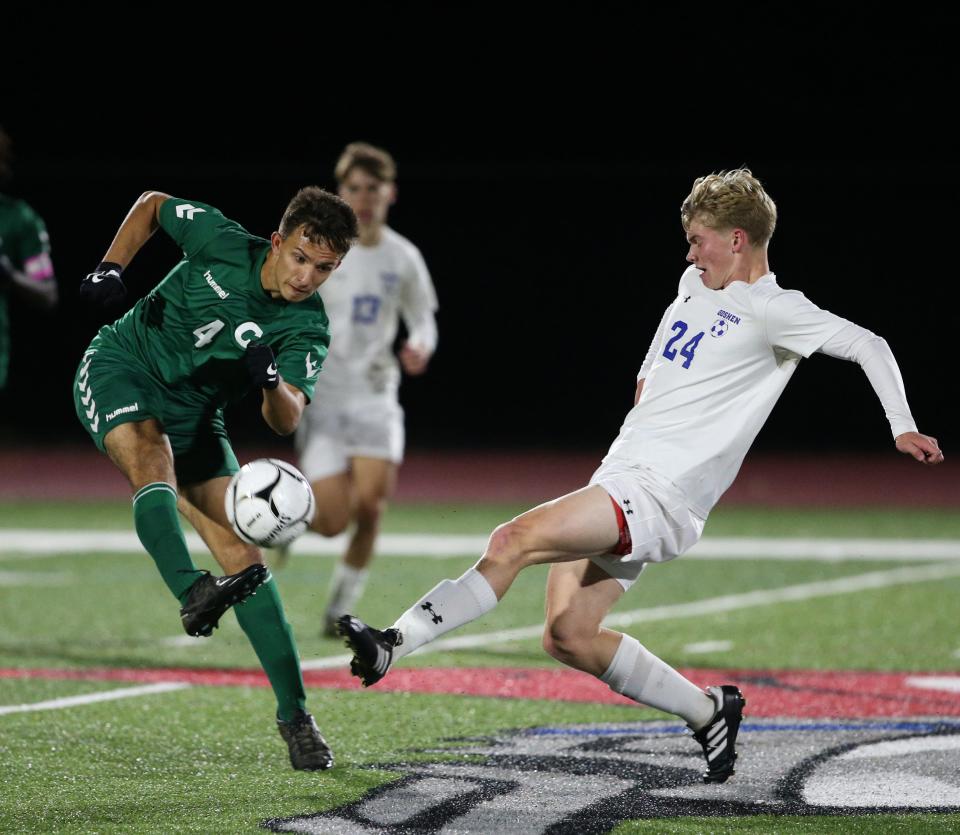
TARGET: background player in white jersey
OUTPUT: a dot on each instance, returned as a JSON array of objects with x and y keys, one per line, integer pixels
[
  {"x": 351, "y": 440},
  {"x": 722, "y": 355}
]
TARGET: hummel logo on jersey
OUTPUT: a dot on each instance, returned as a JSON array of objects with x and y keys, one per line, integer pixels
[
  {"x": 428, "y": 607},
  {"x": 213, "y": 284},
  {"x": 185, "y": 209},
  {"x": 626, "y": 507},
  {"x": 312, "y": 368},
  {"x": 686, "y": 299},
  {"x": 123, "y": 410}
]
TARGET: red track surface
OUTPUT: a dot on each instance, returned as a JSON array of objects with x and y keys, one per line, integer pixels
[
  {"x": 889, "y": 479},
  {"x": 769, "y": 693}
]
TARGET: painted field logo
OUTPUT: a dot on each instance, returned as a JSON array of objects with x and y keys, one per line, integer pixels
[{"x": 589, "y": 779}]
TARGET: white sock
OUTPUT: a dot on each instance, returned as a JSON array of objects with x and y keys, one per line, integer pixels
[
  {"x": 346, "y": 586},
  {"x": 639, "y": 675},
  {"x": 449, "y": 604}
]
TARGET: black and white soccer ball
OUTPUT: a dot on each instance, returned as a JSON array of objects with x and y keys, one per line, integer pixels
[{"x": 269, "y": 503}]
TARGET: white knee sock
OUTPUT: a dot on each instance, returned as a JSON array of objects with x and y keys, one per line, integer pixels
[
  {"x": 639, "y": 675},
  {"x": 450, "y": 604},
  {"x": 346, "y": 586}
]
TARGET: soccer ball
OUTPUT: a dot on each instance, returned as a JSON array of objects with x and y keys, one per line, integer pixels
[{"x": 269, "y": 503}]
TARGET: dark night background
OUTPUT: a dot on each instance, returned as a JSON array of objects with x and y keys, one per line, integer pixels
[{"x": 553, "y": 237}]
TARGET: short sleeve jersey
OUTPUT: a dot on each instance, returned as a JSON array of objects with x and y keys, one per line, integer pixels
[
  {"x": 192, "y": 330},
  {"x": 719, "y": 363},
  {"x": 365, "y": 297}
]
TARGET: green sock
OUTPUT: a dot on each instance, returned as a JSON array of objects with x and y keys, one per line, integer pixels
[
  {"x": 261, "y": 617},
  {"x": 158, "y": 526}
]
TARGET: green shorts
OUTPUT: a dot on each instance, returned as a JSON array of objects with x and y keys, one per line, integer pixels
[{"x": 112, "y": 388}]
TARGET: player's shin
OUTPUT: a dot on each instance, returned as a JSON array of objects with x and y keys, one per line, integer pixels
[
  {"x": 639, "y": 675},
  {"x": 158, "y": 527},
  {"x": 450, "y": 604},
  {"x": 346, "y": 587},
  {"x": 262, "y": 619}
]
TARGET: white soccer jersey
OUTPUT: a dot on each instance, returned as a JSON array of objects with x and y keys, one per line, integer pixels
[
  {"x": 364, "y": 298},
  {"x": 718, "y": 363}
]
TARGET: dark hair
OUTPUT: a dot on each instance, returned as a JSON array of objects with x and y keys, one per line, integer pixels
[
  {"x": 325, "y": 218},
  {"x": 369, "y": 158}
]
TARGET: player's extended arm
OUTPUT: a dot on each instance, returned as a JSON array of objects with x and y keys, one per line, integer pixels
[
  {"x": 874, "y": 356},
  {"x": 104, "y": 285},
  {"x": 137, "y": 228}
]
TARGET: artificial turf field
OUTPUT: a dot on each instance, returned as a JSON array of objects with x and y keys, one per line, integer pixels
[{"x": 206, "y": 757}]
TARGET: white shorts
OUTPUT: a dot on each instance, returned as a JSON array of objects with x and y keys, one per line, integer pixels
[
  {"x": 661, "y": 525},
  {"x": 334, "y": 431}
]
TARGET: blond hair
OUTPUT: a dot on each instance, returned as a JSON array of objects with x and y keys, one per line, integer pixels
[
  {"x": 731, "y": 200},
  {"x": 368, "y": 158}
]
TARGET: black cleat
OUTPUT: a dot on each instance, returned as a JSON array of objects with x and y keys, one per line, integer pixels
[
  {"x": 308, "y": 749},
  {"x": 372, "y": 649},
  {"x": 209, "y": 597},
  {"x": 718, "y": 737}
]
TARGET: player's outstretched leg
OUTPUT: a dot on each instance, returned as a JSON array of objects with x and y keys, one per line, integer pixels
[{"x": 564, "y": 529}]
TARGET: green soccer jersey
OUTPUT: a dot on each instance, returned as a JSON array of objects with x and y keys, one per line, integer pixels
[
  {"x": 192, "y": 330},
  {"x": 24, "y": 250}
]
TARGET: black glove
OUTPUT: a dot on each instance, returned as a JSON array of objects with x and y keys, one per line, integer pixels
[
  {"x": 103, "y": 287},
  {"x": 261, "y": 366}
]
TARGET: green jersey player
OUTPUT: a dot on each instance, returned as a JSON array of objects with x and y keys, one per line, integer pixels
[
  {"x": 26, "y": 271},
  {"x": 237, "y": 312}
]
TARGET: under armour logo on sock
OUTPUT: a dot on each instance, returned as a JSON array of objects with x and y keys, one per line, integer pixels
[
  {"x": 626, "y": 506},
  {"x": 428, "y": 607}
]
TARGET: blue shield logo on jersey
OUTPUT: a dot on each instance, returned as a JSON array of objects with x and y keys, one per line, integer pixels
[{"x": 365, "y": 309}]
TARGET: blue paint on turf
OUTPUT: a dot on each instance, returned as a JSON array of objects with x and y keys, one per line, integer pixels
[{"x": 640, "y": 728}]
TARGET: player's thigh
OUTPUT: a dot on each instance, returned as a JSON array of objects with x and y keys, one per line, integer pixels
[
  {"x": 374, "y": 479},
  {"x": 141, "y": 451},
  {"x": 580, "y": 524}
]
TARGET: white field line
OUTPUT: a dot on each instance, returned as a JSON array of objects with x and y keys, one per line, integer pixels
[
  {"x": 698, "y": 608},
  {"x": 709, "y": 646},
  {"x": 35, "y": 578},
  {"x": 27, "y": 543},
  {"x": 90, "y": 698}
]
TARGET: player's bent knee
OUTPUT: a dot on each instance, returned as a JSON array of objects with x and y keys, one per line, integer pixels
[
  {"x": 508, "y": 544},
  {"x": 330, "y": 523},
  {"x": 566, "y": 637},
  {"x": 368, "y": 511}
]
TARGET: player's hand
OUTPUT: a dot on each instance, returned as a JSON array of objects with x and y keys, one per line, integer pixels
[
  {"x": 414, "y": 358},
  {"x": 262, "y": 366},
  {"x": 103, "y": 287},
  {"x": 922, "y": 447}
]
